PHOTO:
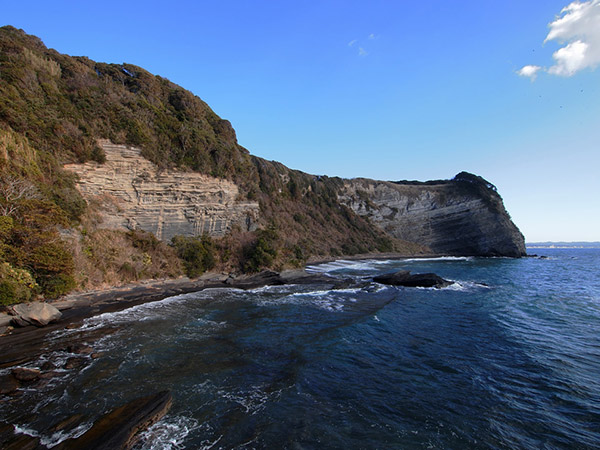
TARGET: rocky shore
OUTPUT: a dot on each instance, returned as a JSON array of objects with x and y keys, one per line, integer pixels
[
  {"x": 20, "y": 346},
  {"x": 24, "y": 345}
]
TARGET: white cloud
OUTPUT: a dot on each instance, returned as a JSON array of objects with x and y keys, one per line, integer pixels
[
  {"x": 529, "y": 71},
  {"x": 362, "y": 52},
  {"x": 578, "y": 28},
  {"x": 352, "y": 42},
  {"x": 373, "y": 36},
  {"x": 572, "y": 59}
]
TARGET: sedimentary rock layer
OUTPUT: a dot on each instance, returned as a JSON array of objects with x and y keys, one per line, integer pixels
[
  {"x": 131, "y": 192},
  {"x": 464, "y": 216}
]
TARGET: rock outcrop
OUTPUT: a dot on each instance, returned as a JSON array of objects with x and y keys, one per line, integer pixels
[
  {"x": 119, "y": 428},
  {"x": 34, "y": 313},
  {"x": 463, "y": 216},
  {"x": 133, "y": 193},
  {"x": 404, "y": 278}
]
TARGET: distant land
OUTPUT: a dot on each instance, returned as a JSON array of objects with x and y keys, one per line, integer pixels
[{"x": 561, "y": 244}]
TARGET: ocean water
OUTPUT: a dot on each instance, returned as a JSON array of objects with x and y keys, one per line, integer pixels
[{"x": 506, "y": 357}]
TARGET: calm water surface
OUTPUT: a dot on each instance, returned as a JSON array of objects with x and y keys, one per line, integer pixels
[{"x": 507, "y": 357}]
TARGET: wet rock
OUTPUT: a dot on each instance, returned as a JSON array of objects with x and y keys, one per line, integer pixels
[
  {"x": 24, "y": 374},
  {"x": 48, "y": 365},
  {"x": 96, "y": 355},
  {"x": 404, "y": 278},
  {"x": 264, "y": 278},
  {"x": 68, "y": 423},
  {"x": 8, "y": 384},
  {"x": 81, "y": 349},
  {"x": 48, "y": 375},
  {"x": 118, "y": 429},
  {"x": 22, "y": 442},
  {"x": 34, "y": 313},
  {"x": 74, "y": 363}
]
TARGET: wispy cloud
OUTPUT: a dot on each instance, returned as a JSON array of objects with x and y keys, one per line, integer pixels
[
  {"x": 577, "y": 27},
  {"x": 359, "y": 44}
]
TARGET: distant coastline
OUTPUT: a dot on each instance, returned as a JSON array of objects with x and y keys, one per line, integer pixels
[{"x": 560, "y": 244}]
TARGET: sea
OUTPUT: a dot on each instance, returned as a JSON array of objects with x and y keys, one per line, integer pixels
[{"x": 507, "y": 357}]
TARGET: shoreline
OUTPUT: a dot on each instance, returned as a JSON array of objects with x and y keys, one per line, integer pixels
[
  {"x": 78, "y": 306},
  {"x": 24, "y": 344}
]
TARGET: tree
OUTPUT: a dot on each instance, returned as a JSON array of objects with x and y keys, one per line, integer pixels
[{"x": 12, "y": 192}]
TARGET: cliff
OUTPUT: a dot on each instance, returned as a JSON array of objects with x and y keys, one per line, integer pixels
[
  {"x": 462, "y": 216},
  {"x": 91, "y": 153},
  {"x": 130, "y": 193}
]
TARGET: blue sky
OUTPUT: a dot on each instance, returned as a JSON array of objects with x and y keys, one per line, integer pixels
[{"x": 381, "y": 89}]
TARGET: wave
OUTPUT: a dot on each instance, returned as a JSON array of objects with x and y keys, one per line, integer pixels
[
  {"x": 362, "y": 265},
  {"x": 440, "y": 258}
]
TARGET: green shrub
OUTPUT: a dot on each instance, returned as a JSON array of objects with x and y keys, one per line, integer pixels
[
  {"x": 263, "y": 252},
  {"x": 197, "y": 253},
  {"x": 52, "y": 266},
  {"x": 16, "y": 285}
]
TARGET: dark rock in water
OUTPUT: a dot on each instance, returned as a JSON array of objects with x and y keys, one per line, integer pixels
[
  {"x": 24, "y": 374},
  {"x": 8, "y": 384},
  {"x": 118, "y": 429},
  {"x": 404, "y": 278},
  {"x": 82, "y": 349},
  {"x": 74, "y": 363},
  {"x": 68, "y": 423},
  {"x": 9, "y": 440},
  {"x": 48, "y": 365},
  {"x": 393, "y": 278},
  {"x": 34, "y": 313},
  {"x": 264, "y": 278}
]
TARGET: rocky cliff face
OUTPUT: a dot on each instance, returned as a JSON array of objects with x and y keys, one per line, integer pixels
[
  {"x": 131, "y": 192},
  {"x": 464, "y": 216}
]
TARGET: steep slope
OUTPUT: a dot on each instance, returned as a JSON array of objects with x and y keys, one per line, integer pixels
[{"x": 462, "y": 216}]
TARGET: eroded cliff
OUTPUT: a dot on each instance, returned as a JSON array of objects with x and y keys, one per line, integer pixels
[
  {"x": 463, "y": 216},
  {"x": 130, "y": 192}
]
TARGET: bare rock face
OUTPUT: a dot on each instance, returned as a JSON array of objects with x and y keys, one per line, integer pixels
[
  {"x": 34, "y": 313},
  {"x": 134, "y": 194},
  {"x": 119, "y": 428},
  {"x": 463, "y": 216}
]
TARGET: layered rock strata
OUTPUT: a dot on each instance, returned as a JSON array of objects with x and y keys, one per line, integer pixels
[
  {"x": 463, "y": 216},
  {"x": 134, "y": 194}
]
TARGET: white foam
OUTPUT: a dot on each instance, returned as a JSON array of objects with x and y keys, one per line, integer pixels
[
  {"x": 459, "y": 285},
  {"x": 60, "y": 436},
  {"x": 168, "y": 433},
  {"x": 361, "y": 265},
  {"x": 440, "y": 258},
  {"x": 24, "y": 430},
  {"x": 253, "y": 401}
]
